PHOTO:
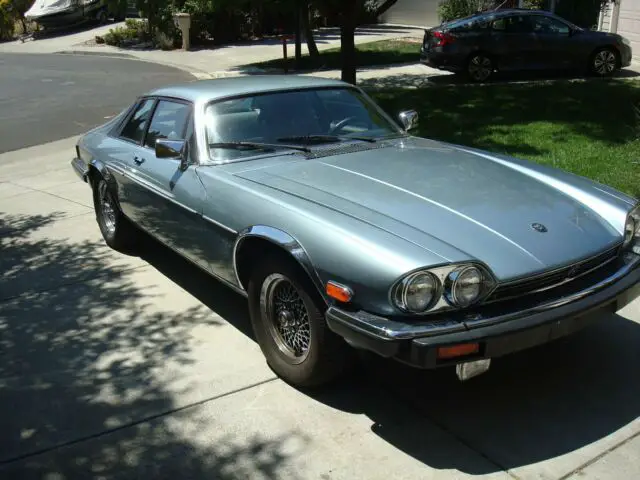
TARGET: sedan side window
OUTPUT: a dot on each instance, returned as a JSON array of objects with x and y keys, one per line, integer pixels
[
  {"x": 137, "y": 124},
  {"x": 549, "y": 25},
  {"x": 169, "y": 121},
  {"x": 512, "y": 24}
]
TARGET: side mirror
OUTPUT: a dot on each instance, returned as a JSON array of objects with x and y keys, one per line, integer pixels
[
  {"x": 408, "y": 119},
  {"x": 177, "y": 149}
]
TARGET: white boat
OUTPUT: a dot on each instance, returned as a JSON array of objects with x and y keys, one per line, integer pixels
[{"x": 60, "y": 13}]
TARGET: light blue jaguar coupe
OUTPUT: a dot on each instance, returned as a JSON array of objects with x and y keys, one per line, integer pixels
[{"x": 345, "y": 231}]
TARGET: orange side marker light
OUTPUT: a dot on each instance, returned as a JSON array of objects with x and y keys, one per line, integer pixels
[
  {"x": 460, "y": 350},
  {"x": 339, "y": 292}
]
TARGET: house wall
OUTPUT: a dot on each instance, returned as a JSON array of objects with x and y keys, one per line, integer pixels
[
  {"x": 421, "y": 13},
  {"x": 628, "y": 23}
]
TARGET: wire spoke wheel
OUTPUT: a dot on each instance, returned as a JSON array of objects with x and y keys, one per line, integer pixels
[
  {"x": 480, "y": 68},
  {"x": 286, "y": 317},
  {"x": 107, "y": 208},
  {"x": 605, "y": 62}
]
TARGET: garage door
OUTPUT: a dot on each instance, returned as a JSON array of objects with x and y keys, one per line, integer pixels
[
  {"x": 422, "y": 13},
  {"x": 629, "y": 24}
]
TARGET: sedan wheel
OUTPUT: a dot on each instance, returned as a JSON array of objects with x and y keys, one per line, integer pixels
[
  {"x": 287, "y": 316},
  {"x": 480, "y": 68},
  {"x": 116, "y": 229},
  {"x": 605, "y": 62}
]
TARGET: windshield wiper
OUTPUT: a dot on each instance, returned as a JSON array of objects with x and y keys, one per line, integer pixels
[
  {"x": 324, "y": 139},
  {"x": 257, "y": 146}
]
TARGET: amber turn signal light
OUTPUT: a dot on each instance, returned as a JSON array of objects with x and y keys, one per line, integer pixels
[
  {"x": 458, "y": 350},
  {"x": 339, "y": 292}
]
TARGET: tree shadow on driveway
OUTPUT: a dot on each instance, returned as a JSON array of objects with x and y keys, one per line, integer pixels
[
  {"x": 90, "y": 367},
  {"x": 81, "y": 367},
  {"x": 530, "y": 407}
]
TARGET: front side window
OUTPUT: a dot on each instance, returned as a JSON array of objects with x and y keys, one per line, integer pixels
[
  {"x": 137, "y": 124},
  {"x": 291, "y": 117},
  {"x": 169, "y": 122}
]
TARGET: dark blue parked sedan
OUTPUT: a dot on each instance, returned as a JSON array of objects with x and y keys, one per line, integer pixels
[{"x": 516, "y": 40}]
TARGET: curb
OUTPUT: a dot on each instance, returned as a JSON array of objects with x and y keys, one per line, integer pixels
[{"x": 198, "y": 74}]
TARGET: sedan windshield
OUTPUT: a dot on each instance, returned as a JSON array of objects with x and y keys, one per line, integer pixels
[{"x": 303, "y": 117}]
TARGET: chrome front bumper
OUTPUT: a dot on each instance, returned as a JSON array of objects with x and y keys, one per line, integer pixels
[
  {"x": 80, "y": 168},
  {"x": 498, "y": 332}
]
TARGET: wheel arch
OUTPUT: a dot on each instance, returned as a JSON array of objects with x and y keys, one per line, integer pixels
[
  {"x": 605, "y": 46},
  {"x": 95, "y": 168},
  {"x": 254, "y": 240}
]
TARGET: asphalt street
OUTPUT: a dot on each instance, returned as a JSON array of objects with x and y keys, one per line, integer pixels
[{"x": 47, "y": 97}]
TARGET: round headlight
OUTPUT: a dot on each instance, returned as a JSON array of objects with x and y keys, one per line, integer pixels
[
  {"x": 629, "y": 230},
  {"x": 417, "y": 292},
  {"x": 466, "y": 286}
]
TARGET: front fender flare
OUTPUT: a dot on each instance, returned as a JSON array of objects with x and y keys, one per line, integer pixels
[{"x": 283, "y": 240}]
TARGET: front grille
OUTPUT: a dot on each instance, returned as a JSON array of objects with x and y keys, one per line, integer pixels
[{"x": 554, "y": 278}]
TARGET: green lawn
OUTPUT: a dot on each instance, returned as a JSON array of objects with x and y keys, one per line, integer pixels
[
  {"x": 588, "y": 128},
  {"x": 382, "y": 52}
]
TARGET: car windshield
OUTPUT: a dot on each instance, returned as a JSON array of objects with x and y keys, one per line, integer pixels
[{"x": 302, "y": 117}]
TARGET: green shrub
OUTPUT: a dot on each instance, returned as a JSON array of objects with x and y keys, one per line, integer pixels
[
  {"x": 133, "y": 31},
  {"x": 535, "y": 4},
  {"x": 452, "y": 9},
  {"x": 7, "y": 20}
]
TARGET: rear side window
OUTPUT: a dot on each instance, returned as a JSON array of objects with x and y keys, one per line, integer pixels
[
  {"x": 512, "y": 24},
  {"x": 137, "y": 124},
  {"x": 548, "y": 25},
  {"x": 169, "y": 122},
  {"x": 472, "y": 25}
]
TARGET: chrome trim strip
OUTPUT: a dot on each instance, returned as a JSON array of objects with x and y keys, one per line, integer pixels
[
  {"x": 559, "y": 284},
  {"x": 551, "y": 272},
  {"x": 391, "y": 330},
  {"x": 218, "y": 224},
  {"x": 632, "y": 262},
  {"x": 80, "y": 168},
  {"x": 387, "y": 329},
  {"x": 149, "y": 186},
  {"x": 281, "y": 239},
  {"x": 119, "y": 170}
]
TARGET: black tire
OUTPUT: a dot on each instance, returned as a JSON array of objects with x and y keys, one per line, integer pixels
[
  {"x": 116, "y": 229},
  {"x": 480, "y": 67},
  {"x": 327, "y": 355},
  {"x": 102, "y": 17},
  {"x": 604, "y": 62}
]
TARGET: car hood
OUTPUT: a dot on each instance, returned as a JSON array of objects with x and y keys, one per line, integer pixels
[{"x": 457, "y": 203}]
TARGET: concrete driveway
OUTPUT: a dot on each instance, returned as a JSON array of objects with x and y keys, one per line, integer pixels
[{"x": 120, "y": 366}]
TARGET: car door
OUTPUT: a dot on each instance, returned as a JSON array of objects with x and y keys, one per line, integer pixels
[
  {"x": 125, "y": 143},
  {"x": 553, "y": 41},
  {"x": 513, "y": 42},
  {"x": 165, "y": 199}
]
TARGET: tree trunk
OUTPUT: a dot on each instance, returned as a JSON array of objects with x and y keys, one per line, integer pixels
[
  {"x": 386, "y": 5},
  {"x": 298, "y": 35},
  {"x": 348, "y": 47},
  {"x": 308, "y": 33}
]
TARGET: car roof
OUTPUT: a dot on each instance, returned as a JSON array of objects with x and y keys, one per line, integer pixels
[
  {"x": 208, "y": 90},
  {"x": 501, "y": 12}
]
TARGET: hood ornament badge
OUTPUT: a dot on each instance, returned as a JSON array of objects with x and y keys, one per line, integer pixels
[{"x": 538, "y": 227}]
